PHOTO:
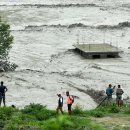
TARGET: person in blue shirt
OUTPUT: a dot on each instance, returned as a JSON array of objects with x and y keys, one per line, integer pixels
[
  {"x": 3, "y": 89},
  {"x": 109, "y": 91}
]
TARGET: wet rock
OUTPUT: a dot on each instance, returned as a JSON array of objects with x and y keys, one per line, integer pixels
[{"x": 97, "y": 95}]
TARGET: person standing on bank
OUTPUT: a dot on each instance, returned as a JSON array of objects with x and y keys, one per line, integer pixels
[
  {"x": 109, "y": 91},
  {"x": 119, "y": 93},
  {"x": 3, "y": 90},
  {"x": 60, "y": 103},
  {"x": 70, "y": 101}
]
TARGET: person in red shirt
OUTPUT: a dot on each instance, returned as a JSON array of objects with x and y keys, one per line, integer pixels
[{"x": 69, "y": 102}]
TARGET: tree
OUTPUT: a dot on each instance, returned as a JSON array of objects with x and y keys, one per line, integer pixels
[{"x": 6, "y": 40}]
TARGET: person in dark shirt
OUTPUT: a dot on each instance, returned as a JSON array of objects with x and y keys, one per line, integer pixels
[
  {"x": 3, "y": 89},
  {"x": 60, "y": 103},
  {"x": 109, "y": 91}
]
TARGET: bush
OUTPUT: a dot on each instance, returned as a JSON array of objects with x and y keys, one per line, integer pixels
[
  {"x": 59, "y": 123},
  {"x": 126, "y": 128},
  {"x": 77, "y": 110},
  {"x": 116, "y": 128},
  {"x": 97, "y": 114},
  {"x": 2, "y": 123},
  {"x": 127, "y": 111},
  {"x": 39, "y": 111},
  {"x": 114, "y": 108},
  {"x": 33, "y": 108},
  {"x": 14, "y": 122},
  {"x": 11, "y": 127},
  {"x": 28, "y": 128},
  {"x": 83, "y": 123},
  {"x": 6, "y": 112}
]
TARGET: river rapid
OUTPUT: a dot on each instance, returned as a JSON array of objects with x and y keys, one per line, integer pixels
[{"x": 44, "y": 33}]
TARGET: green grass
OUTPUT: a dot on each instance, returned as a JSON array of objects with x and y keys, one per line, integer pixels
[{"x": 38, "y": 117}]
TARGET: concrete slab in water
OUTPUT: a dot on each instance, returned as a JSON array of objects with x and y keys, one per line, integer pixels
[
  {"x": 103, "y": 48},
  {"x": 97, "y": 50}
]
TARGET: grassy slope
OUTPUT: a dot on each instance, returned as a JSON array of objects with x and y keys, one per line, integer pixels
[{"x": 37, "y": 117}]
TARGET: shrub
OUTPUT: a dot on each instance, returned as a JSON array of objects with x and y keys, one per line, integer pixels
[
  {"x": 33, "y": 108},
  {"x": 6, "y": 112},
  {"x": 126, "y": 128},
  {"x": 45, "y": 114},
  {"x": 39, "y": 111},
  {"x": 59, "y": 123},
  {"x": 95, "y": 113},
  {"x": 28, "y": 128},
  {"x": 116, "y": 128},
  {"x": 126, "y": 109},
  {"x": 83, "y": 123},
  {"x": 114, "y": 108},
  {"x": 2, "y": 123},
  {"x": 13, "y": 122},
  {"x": 11, "y": 127},
  {"x": 77, "y": 110}
]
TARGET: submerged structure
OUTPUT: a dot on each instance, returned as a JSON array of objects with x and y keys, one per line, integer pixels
[{"x": 97, "y": 50}]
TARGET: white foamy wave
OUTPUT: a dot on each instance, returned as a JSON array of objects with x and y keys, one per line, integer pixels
[
  {"x": 50, "y": 5},
  {"x": 118, "y": 26},
  {"x": 17, "y": 28},
  {"x": 74, "y": 25}
]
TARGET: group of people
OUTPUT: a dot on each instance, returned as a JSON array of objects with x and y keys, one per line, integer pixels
[
  {"x": 69, "y": 100},
  {"x": 119, "y": 92}
]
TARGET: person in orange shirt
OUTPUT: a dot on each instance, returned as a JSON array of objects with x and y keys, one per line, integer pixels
[{"x": 69, "y": 102}]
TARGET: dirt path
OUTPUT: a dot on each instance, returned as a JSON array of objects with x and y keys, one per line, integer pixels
[{"x": 114, "y": 120}]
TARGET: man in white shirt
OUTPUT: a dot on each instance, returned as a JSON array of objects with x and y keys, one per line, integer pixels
[
  {"x": 119, "y": 97},
  {"x": 60, "y": 103}
]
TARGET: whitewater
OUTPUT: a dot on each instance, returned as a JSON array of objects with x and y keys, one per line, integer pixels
[{"x": 44, "y": 33}]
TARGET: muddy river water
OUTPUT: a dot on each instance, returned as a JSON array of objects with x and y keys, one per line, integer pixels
[{"x": 44, "y": 33}]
